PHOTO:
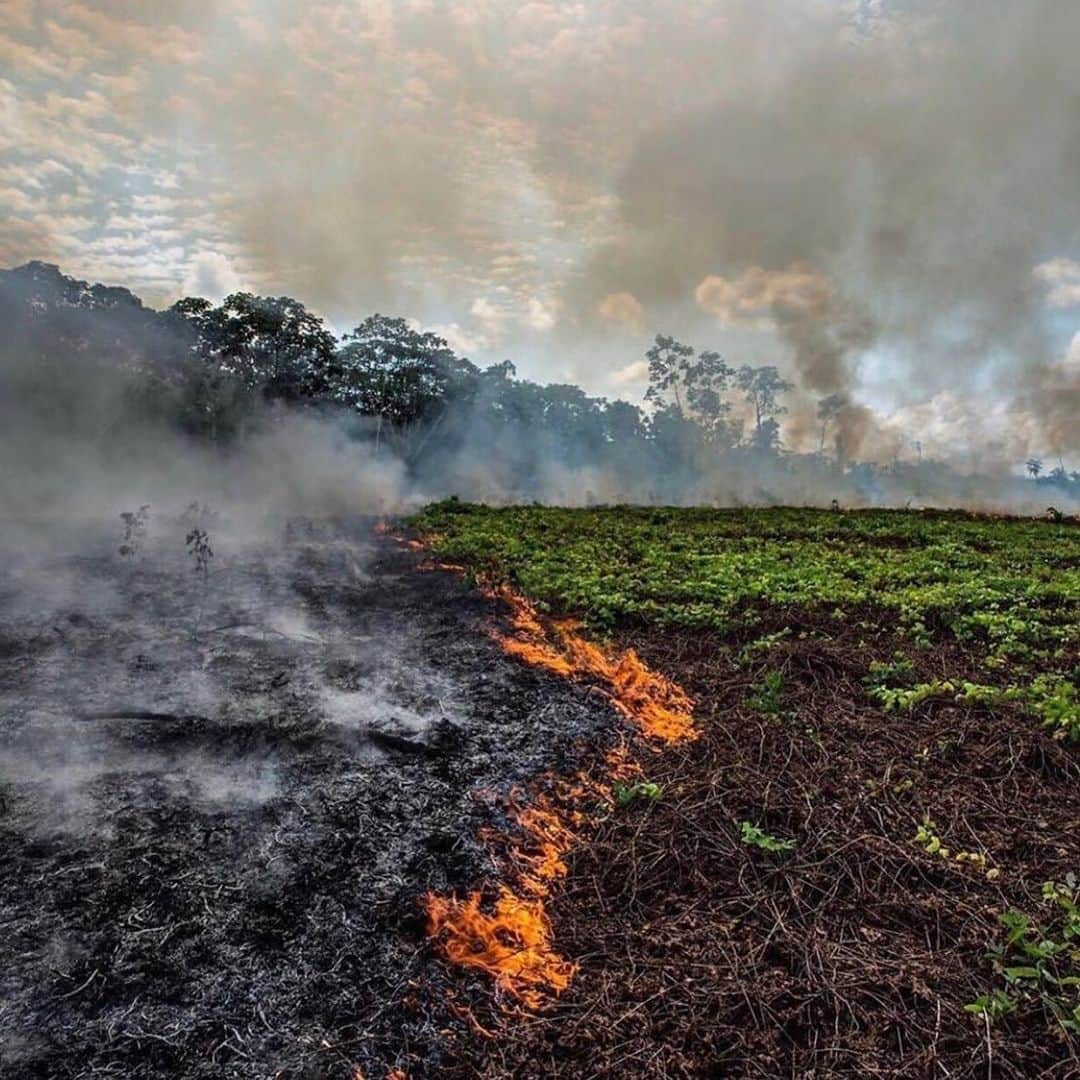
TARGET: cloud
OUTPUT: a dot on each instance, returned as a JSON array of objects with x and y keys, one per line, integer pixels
[
  {"x": 1072, "y": 354},
  {"x": 631, "y": 375},
  {"x": 540, "y": 315},
  {"x": 799, "y": 290},
  {"x": 1062, "y": 276},
  {"x": 623, "y": 310},
  {"x": 211, "y": 275}
]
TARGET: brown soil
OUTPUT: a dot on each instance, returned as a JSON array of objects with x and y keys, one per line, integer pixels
[{"x": 701, "y": 956}]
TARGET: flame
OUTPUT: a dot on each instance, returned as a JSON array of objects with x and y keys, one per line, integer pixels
[
  {"x": 659, "y": 708},
  {"x": 513, "y": 943},
  {"x": 510, "y": 936}
]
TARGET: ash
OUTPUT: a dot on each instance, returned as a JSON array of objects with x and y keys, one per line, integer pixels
[{"x": 226, "y": 783}]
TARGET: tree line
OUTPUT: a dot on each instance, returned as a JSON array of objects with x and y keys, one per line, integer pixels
[{"x": 217, "y": 371}]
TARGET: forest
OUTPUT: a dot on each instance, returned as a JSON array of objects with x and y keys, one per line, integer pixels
[{"x": 88, "y": 361}]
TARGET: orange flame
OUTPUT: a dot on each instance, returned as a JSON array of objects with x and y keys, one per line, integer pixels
[
  {"x": 511, "y": 939},
  {"x": 658, "y": 707},
  {"x": 513, "y": 944}
]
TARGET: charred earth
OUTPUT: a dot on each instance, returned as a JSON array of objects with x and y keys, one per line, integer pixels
[{"x": 225, "y": 785}]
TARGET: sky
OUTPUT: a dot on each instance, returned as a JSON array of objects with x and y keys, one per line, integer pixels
[{"x": 881, "y": 198}]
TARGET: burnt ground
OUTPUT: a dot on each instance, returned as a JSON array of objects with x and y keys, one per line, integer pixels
[
  {"x": 221, "y": 799},
  {"x": 853, "y": 955}
]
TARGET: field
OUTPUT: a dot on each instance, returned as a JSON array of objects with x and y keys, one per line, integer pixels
[
  {"x": 540, "y": 792},
  {"x": 865, "y": 863}
]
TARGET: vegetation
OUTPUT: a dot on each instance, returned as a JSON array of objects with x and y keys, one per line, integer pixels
[
  {"x": 1039, "y": 962},
  {"x": 751, "y": 834},
  {"x": 95, "y": 360},
  {"x": 873, "y": 835},
  {"x": 1012, "y": 586}
]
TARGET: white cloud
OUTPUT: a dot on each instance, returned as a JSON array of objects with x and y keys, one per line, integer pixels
[
  {"x": 631, "y": 375},
  {"x": 540, "y": 316},
  {"x": 1062, "y": 278},
  {"x": 1072, "y": 354},
  {"x": 211, "y": 275}
]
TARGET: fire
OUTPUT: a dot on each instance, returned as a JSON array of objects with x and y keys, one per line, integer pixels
[
  {"x": 510, "y": 936},
  {"x": 658, "y": 707},
  {"x": 513, "y": 943}
]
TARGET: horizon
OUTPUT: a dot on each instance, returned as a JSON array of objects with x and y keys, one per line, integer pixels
[{"x": 533, "y": 183}]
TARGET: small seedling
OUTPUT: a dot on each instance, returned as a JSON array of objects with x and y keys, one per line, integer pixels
[
  {"x": 993, "y": 1006},
  {"x": 625, "y": 794},
  {"x": 1039, "y": 962},
  {"x": 762, "y": 644},
  {"x": 768, "y": 696},
  {"x": 755, "y": 837},
  {"x": 134, "y": 530}
]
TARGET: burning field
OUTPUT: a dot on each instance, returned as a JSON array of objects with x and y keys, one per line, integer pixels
[
  {"x": 534, "y": 792},
  {"x": 224, "y": 794}
]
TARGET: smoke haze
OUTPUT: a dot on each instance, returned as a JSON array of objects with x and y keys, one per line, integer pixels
[{"x": 880, "y": 197}]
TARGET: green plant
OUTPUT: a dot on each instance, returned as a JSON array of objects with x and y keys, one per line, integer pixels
[
  {"x": 768, "y": 695},
  {"x": 1039, "y": 963},
  {"x": 625, "y": 794},
  {"x": 1058, "y": 705},
  {"x": 762, "y": 644},
  {"x": 904, "y": 699},
  {"x": 755, "y": 837},
  {"x": 992, "y": 1006},
  {"x": 882, "y": 673},
  {"x": 926, "y": 836}
]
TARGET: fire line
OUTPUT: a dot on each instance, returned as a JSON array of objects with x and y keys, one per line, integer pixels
[{"x": 508, "y": 933}]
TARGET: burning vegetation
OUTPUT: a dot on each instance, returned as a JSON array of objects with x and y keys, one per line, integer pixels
[
  {"x": 545, "y": 792},
  {"x": 511, "y": 938},
  {"x": 860, "y": 858}
]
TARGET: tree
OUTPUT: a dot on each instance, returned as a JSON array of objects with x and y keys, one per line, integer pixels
[
  {"x": 828, "y": 408},
  {"x": 272, "y": 345},
  {"x": 762, "y": 387},
  {"x": 405, "y": 377},
  {"x": 694, "y": 383},
  {"x": 669, "y": 362},
  {"x": 766, "y": 436},
  {"x": 624, "y": 423},
  {"x": 1034, "y": 467}
]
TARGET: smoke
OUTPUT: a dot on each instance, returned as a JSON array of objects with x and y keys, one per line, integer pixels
[
  {"x": 822, "y": 328},
  {"x": 889, "y": 190},
  {"x": 576, "y": 175}
]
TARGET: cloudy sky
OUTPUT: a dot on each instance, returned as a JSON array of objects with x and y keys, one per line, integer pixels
[{"x": 883, "y": 198}]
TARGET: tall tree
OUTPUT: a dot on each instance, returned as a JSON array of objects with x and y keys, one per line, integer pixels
[
  {"x": 407, "y": 378},
  {"x": 694, "y": 383},
  {"x": 669, "y": 363},
  {"x": 273, "y": 345},
  {"x": 762, "y": 387},
  {"x": 828, "y": 408}
]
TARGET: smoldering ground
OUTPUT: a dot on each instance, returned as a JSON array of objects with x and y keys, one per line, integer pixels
[{"x": 223, "y": 795}]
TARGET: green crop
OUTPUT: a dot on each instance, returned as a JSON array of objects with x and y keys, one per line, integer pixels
[
  {"x": 755, "y": 837},
  {"x": 1006, "y": 590}
]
